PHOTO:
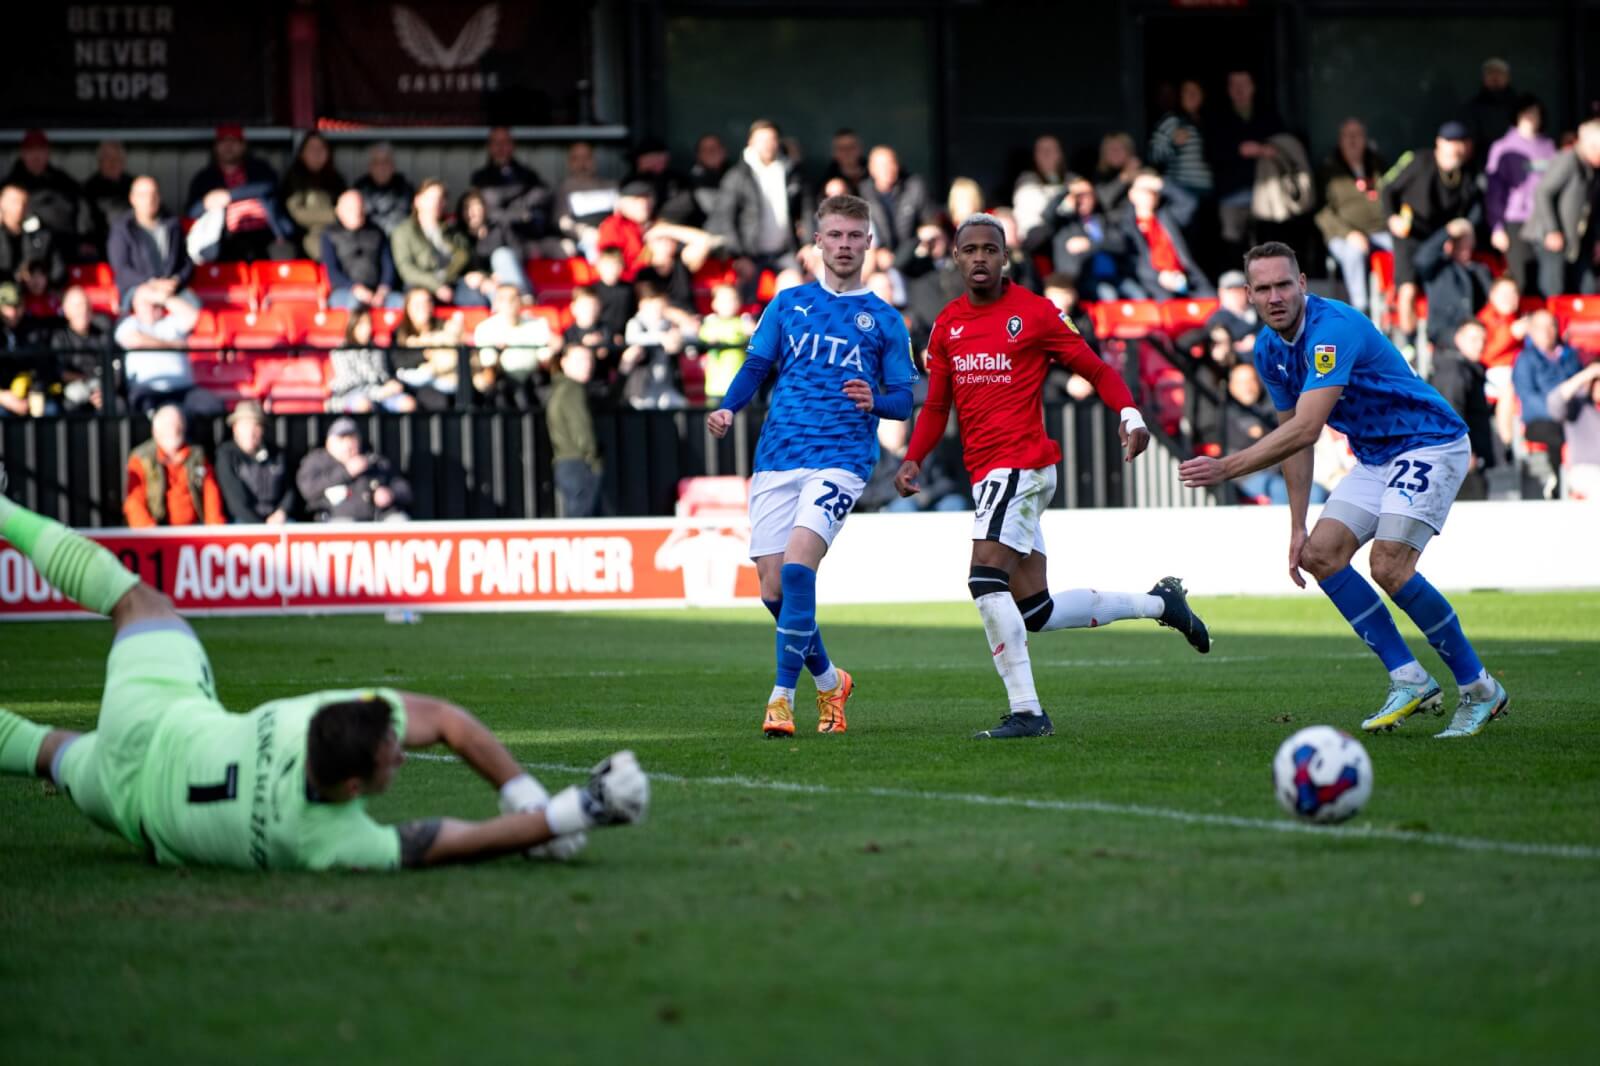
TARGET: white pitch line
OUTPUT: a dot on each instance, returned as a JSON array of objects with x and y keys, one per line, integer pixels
[{"x": 1170, "y": 814}]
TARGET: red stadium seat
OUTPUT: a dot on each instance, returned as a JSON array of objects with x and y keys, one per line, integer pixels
[
  {"x": 256, "y": 329},
  {"x": 554, "y": 279},
  {"x": 327, "y": 328},
  {"x": 766, "y": 287},
  {"x": 1128, "y": 319},
  {"x": 469, "y": 317},
  {"x": 227, "y": 375},
  {"x": 558, "y": 318},
  {"x": 298, "y": 316},
  {"x": 713, "y": 272},
  {"x": 1568, "y": 309},
  {"x": 384, "y": 323},
  {"x": 300, "y": 280},
  {"x": 41, "y": 305},
  {"x": 693, "y": 372},
  {"x": 1180, "y": 316},
  {"x": 1584, "y": 335},
  {"x": 209, "y": 331},
  {"x": 292, "y": 383},
  {"x": 224, "y": 285},
  {"x": 98, "y": 281},
  {"x": 1529, "y": 304}
]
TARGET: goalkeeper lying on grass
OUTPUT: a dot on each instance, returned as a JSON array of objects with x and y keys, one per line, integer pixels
[{"x": 283, "y": 787}]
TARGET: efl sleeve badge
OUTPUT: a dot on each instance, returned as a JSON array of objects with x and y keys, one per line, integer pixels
[{"x": 1324, "y": 357}]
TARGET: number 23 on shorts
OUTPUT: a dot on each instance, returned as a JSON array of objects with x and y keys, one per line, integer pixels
[{"x": 1418, "y": 472}]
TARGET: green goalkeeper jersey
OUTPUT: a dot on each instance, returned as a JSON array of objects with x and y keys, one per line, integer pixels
[{"x": 231, "y": 790}]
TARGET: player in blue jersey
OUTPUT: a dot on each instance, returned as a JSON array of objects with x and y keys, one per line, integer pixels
[
  {"x": 1323, "y": 363},
  {"x": 843, "y": 360}
]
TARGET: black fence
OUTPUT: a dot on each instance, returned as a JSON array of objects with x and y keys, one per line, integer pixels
[{"x": 491, "y": 464}]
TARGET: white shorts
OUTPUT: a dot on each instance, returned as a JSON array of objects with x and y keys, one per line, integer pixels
[
  {"x": 1413, "y": 490},
  {"x": 1009, "y": 504},
  {"x": 782, "y": 500}
]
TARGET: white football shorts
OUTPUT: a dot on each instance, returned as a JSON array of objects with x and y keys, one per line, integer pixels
[
  {"x": 1407, "y": 496},
  {"x": 1009, "y": 505},
  {"x": 781, "y": 500}
]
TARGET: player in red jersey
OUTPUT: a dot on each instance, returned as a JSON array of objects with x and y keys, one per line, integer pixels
[{"x": 990, "y": 350}]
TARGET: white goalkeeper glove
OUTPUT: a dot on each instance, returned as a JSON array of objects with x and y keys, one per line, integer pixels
[
  {"x": 523, "y": 795},
  {"x": 618, "y": 793}
]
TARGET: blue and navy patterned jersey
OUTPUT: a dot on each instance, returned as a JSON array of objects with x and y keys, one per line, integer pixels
[
  {"x": 1385, "y": 408},
  {"x": 818, "y": 340}
]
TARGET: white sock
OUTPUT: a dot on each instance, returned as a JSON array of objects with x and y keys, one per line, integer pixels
[
  {"x": 1481, "y": 685},
  {"x": 828, "y": 680},
  {"x": 1411, "y": 673},
  {"x": 1088, "y": 608},
  {"x": 786, "y": 693},
  {"x": 1008, "y": 643}
]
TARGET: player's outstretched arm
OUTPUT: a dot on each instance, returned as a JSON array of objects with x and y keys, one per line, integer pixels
[
  {"x": 440, "y": 841},
  {"x": 617, "y": 793},
  {"x": 1297, "y": 477},
  {"x": 431, "y": 721},
  {"x": 1299, "y": 432}
]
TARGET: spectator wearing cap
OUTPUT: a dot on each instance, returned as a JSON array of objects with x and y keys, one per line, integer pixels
[
  {"x": 1565, "y": 223},
  {"x": 431, "y": 253},
  {"x": 1234, "y": 312},
  {"x": 344, "y": 482},
  {"x": 146, "y": 248},
  {"x": 29, "y": 252},
  {"x": 762, "y": 210},
  {"x": 56, "y": 199},
  {"x": 310, "y": 189},
  {"x": 23, "y": 378},
  {"x": 1456, "y": 284},
  {"x": 1516, "y": 163},
  {"x": 106, "y": 192},
  {"x": 356, "y": 255},
  {"x": 386, "y": 191},
  {"x": 1429, "y": 190},
  {"x": 515, "y": 197},
  {"x": 253, "y": 475},
  {"x": 1352, "y": 219},
  {"x": 254, "y": 218},
  {"x": 1149, "y": 231},
  {"x": 897, "y": 200},
  {"x": 1494, "y": 108},
  {"x": 169, "y": 481}
]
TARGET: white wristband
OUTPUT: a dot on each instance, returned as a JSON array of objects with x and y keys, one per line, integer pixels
[
  {"x": 522, "y": 793},
  {"x": 564, "y": 813},
  {"x": 1131, "y": 419}
]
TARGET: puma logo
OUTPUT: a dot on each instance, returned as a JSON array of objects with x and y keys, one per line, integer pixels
[{"x": 804, "y": 310}]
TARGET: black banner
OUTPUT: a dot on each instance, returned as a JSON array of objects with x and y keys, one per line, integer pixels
[
  {"x": 183, "y": 63},
  {"x": 435, "y": 61}
]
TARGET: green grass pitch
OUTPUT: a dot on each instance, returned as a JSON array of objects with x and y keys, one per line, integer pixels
[{"x": 897, "y": 894}]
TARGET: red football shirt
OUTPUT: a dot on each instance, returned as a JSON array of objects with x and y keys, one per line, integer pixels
[{"x": 993, "y": 360}]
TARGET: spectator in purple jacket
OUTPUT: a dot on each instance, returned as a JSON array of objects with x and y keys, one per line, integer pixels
[{"x": 1516, "y": 162}]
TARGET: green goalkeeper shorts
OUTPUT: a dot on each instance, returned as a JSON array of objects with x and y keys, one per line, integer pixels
[{"x": 155, "y": 669}]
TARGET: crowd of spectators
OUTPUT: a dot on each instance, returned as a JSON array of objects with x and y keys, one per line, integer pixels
[{"x": 1452, "y": 247}]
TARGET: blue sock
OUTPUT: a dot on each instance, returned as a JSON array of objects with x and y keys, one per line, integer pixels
[
  {"x": 797, "y": 622},
  {"x": 1437, "y": 619},
  {"x": 1358, "y": 601},
  {"x": 817, "y": 661}
]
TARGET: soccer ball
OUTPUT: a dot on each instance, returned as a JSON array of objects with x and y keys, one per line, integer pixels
[{"x": 1322, "y": 774}]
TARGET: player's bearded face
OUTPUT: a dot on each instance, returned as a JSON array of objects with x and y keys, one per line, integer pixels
[
  {"x": 1277, "y": 293},
  {"x": 843, "y": 243}
]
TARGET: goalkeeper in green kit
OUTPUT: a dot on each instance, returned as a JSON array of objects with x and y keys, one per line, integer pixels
[{"x": 280, "y": 788}]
